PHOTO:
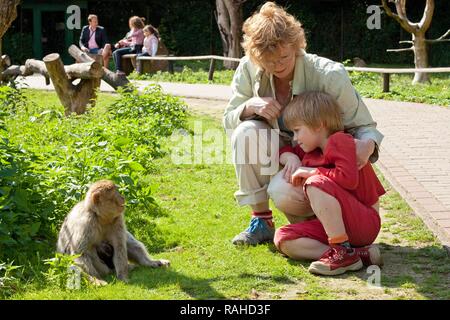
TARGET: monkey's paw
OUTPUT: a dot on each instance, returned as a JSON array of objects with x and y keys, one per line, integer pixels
[
  {"x": 159, "y": 263},
  {"x": 164, "y": 263},
  {"x": 98, "y": 283}
]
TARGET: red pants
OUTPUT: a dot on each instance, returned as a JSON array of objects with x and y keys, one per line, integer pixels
[{"x": 362, "y": 223}]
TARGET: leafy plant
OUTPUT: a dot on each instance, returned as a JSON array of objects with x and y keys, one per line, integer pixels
[
  {"x": 63, "y": 273},
  {"x": 9, "y": 282}
]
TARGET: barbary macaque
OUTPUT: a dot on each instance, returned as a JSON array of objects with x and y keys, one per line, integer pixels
[{"x": 95, "y": 229}]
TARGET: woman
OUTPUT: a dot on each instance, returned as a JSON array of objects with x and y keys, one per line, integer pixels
[
  {"x": 276, "y": 68},
  {"x": 132, "y": 43}
]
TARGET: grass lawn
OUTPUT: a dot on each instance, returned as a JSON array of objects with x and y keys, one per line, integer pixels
[
  {"x": 369, "y": 85},
  {"x": 197, "y": 219}
]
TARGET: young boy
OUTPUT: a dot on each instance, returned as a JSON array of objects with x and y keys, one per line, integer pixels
[{"x": 344, "y": 200}]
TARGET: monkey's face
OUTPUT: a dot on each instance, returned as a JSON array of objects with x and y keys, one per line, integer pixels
[{"x": 111, "y": 203}]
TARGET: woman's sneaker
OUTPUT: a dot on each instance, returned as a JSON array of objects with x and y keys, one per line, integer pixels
[
  {"x": 370, "y": 255},
  {"x": 336, "y": 260},
  {"x": 260, "y": 231}
]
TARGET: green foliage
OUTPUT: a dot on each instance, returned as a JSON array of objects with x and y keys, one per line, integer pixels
[
  {"x": 17, "y": 45},
  {"x": 369, "y": 85},
  {"x": 63, "y": 273},
  {"x": 48, "y": 160},
  {"x": 22, "y": 211},
  {"x": 165, "y": 112},
  {"x": 11, "y": 99},
  {"x": 187, "y": 75},
  {"x": 9, "y": 281}
]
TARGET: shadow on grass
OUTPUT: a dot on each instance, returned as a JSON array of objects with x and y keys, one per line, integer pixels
[
  {"x": 424, "y": 269},
  {"x": 196, "y": 288}
]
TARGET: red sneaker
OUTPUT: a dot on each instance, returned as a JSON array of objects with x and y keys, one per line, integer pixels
[
  {"x": 336, "y": 261},
  {"x": 370, "y": 255}
]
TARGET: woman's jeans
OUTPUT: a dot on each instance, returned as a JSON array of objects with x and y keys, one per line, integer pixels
[{"x": 117, "y": 55}]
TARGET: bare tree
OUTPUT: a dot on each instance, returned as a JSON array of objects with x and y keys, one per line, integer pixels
[
  {"x": 229, "y": 20},
  {"x": 8, "y": 13},
  {"x": 419, "y": 43}
]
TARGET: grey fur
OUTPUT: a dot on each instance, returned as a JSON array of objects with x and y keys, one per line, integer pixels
[{"x": 105, "y": 245}]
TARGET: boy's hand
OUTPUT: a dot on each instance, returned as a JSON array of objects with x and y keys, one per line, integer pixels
[
  {"x": 301, "y": 174},
  {"x": 292, "y": 163}
]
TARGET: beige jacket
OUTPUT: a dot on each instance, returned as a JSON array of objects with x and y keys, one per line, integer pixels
[{"x": 311, "y": 73}]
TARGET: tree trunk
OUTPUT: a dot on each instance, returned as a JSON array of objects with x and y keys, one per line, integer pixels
[
  {"x": 8, "y": 13},
  {"x": 229, "y": 20},
  {"x": 74, "y": 98},
  {"x": 417, "y": 30},
  {"x": 420, "y": 58}
]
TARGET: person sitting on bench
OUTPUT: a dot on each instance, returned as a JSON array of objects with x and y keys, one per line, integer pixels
[{"x": 93, "y": 40}]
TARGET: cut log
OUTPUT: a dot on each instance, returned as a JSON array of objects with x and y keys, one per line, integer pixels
[
  {"x": 85, "y": 70},
  {"x": 5, "y": 61},
  {"x": 109, "y": 77},
  {"x": 74, "y": 98},
  {"x": 31, "y": 66}
]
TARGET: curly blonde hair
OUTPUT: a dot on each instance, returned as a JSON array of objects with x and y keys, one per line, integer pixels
[{"x": 269, "y": 28}]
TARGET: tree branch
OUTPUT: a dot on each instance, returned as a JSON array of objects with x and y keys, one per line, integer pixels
[
  {"x": 400, "y": 50},
  {"x": 425, "y": 22},
  {"x": 404, "y": 23},
  {"x": 441, "y": 38}
]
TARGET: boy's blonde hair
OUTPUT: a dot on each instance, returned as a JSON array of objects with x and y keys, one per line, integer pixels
[
  {"x": 269, "y": 28},
  {"x": 313, "y": 109}
]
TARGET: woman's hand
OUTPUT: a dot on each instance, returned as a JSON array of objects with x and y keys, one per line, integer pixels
[
  {"x": 265, "y": 107},
  {"x": 364, "y": 149},
  {"x": 301, "y": 174},
  {"x": 292, "y": 163}
]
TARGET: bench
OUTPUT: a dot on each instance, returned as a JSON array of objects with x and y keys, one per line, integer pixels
[{"x": 129, "y": 62}]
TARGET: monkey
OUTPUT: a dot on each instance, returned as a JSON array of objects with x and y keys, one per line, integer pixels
[
  {"x": 95, "y": 230},
  {"x": 358, "y": 62}
]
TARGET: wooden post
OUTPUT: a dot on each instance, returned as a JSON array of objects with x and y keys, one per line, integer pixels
[
  {"x": 74, "y": 98},
  {"x": 386, "y": 77},
  {"x": 211, "y": 69},
  {"x": 61, "y": 82},
  {"x": 138, "y": 65},
  {"x": 170, "y": 66}
]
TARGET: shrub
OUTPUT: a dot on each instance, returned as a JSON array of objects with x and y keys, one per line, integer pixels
[{"x": 48, "y": 161}]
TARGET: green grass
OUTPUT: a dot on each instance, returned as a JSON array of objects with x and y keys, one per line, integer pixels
[
  {"x": 199, "y": 216},
  {"x": 369, "y": 85}
]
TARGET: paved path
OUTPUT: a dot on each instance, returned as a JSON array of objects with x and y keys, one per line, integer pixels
[{"x": 415, "y": 153}]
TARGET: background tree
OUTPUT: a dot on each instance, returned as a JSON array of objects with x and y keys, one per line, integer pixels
[
  {"x": 8, "y": 13},
  {"x": 229, "y": 19},
  {"x": 419, "y": 42}
]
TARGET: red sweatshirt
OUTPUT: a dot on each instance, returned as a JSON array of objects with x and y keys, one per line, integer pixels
[{"x": 338, "y": 162}]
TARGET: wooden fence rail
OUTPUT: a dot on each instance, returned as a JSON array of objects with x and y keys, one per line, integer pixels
[{"x": 385, "y": 72}]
